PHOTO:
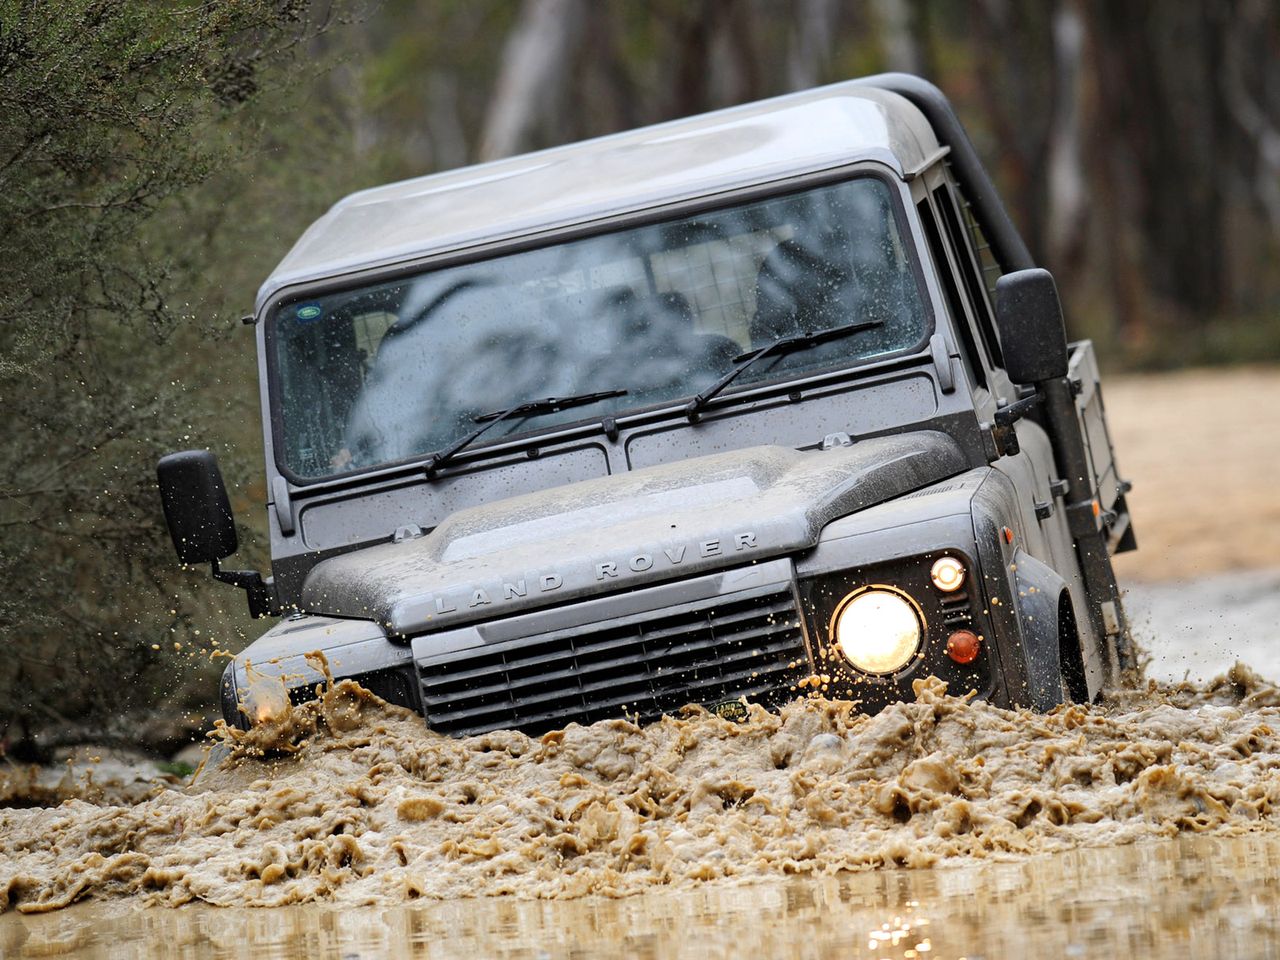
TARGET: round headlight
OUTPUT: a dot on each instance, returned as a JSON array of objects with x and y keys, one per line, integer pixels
[
  {"x": 947, "y": 574},
  {"x": 877, "y": 629}
]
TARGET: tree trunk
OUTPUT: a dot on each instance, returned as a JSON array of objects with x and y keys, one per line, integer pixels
[
  {"x": 535, "y": 66},
  {"x": 1066, "y": 188},
  {"x": 810, "y": 47},
  {"x": 898, "y": 35}
]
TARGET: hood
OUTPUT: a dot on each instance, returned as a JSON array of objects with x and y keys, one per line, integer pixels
[{"x": 622, "y": 531}]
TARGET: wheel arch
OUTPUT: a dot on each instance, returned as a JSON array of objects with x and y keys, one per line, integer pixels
[
  {"x": 1050, "y": 634},
  {"x": 1070, "y": 654}
]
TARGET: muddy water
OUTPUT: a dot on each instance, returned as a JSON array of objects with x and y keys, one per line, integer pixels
[
  {"x": 349, "y": 801},
  {"x": 1195, "y": 896}
]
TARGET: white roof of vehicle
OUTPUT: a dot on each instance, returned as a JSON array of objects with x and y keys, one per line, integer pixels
[{"x": 754, "y": 143}]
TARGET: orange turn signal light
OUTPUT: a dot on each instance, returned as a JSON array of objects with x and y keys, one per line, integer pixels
[{"x": 963, "y": 646}]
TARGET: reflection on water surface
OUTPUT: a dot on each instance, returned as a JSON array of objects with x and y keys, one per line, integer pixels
[{"x": 1191, "y": 897}]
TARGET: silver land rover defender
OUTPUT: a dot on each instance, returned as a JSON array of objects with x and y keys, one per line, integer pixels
[{"x": 695, "y": 413}]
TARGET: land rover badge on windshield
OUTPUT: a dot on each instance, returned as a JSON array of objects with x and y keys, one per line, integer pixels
[{"x": 686, "y": 415}]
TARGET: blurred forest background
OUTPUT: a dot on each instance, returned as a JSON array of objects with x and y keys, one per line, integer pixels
[{"x": 157, "y": 158}]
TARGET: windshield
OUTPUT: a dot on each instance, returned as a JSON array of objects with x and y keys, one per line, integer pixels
[{"x": 398, "y": 370}]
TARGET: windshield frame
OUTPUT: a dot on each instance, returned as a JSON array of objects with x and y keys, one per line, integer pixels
[{"x": 675, "y": 209}]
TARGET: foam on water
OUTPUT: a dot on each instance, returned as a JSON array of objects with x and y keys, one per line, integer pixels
[{"x": 348, "y": 800}]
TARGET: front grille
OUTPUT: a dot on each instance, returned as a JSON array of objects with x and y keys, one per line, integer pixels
[
  {"x": 746, "y": 644},
  {"x": 955, "y": 609}
]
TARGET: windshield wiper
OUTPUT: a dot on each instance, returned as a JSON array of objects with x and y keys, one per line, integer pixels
[
  {"x": 799, "y": 341},
  {"x": 527, "y": 409}
]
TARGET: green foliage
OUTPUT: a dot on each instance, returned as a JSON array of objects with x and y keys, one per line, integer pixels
[
  {"x": 177, "y": 768},
  {"x": 1242, "y": 338},
  {"x": 120, "y": 121}
]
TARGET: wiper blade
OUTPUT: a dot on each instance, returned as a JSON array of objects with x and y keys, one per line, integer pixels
[
  {"x": 527, "y": 409},
  {"x": 549, "y": 405},
  {"x": 799, "y": 341}
]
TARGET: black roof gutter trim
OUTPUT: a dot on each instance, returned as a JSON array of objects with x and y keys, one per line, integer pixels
[{"x": 1005, "y": 240}]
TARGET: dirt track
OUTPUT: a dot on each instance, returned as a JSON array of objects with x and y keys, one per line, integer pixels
[{"x": 1202, "y": 448}]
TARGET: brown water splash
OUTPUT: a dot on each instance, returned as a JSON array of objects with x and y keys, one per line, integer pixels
[{"x": 347, "y": 799}]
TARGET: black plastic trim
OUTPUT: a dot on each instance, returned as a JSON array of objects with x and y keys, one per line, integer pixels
[{"x": 1006, "y": 241}]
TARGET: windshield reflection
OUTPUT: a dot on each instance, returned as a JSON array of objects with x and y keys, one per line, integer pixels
[{"x": 400, "y": 370}]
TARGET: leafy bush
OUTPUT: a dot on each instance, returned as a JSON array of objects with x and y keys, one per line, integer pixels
[{"x": 119, "y": 123}]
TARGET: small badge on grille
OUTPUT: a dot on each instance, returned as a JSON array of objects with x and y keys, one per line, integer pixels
[{"x": 735, "y": 710}]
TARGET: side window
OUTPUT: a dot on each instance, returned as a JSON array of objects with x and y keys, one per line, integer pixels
[
  {"x": 955, "y": 303},
  {"x": 974, "y": 276}
]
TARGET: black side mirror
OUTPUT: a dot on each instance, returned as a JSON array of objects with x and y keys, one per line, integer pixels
[
  {"x": 196, "y": 507},
  {"x": 1032, "y": 336}
]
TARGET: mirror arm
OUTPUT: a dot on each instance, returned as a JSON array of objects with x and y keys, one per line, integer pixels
[
  {"x": 1011, "y": 413},
  {"x": 1006, "y": 438},
  {"x": 262, "y": 601}
]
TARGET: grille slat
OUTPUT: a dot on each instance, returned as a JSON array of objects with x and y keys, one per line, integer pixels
[
  {"x": 598, "y": 710},
  {"x": 746, "y": 644},
  {"x": 448, "y": 681},
  {"x": 507, "y": 656},
  {"x": 956, "y": 610},
  {"x": 663, "y": 670},
  {"x": 616, "y": 709}
]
